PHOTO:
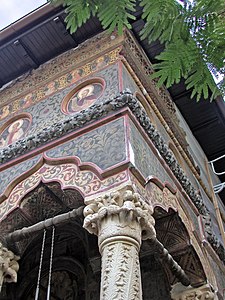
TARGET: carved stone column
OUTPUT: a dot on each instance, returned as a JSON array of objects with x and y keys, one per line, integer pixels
[
  {"x": 120, "y": 219},
  {"x": 204, "y": 292},
  {"x": 8, "y": 266}
]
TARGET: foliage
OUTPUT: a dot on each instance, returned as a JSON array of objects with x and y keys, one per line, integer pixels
[{"x": 192, "y": 31}]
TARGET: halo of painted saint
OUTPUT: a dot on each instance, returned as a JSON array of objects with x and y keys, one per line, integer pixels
[
  {"x": 84, "y": 97},
  {"x": 14, "y": 131}
]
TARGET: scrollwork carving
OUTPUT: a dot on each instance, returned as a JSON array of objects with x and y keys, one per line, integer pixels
[
  {"x": 8, "y": 266},
  {"x": 127, "y": 206},
  {"x": 202, "y": 293}
]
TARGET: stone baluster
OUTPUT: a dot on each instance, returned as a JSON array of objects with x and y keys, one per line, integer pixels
[
  {"x": 8, "y": 266},
  {"x": 120, "y": 220},
  {"x": 204, "y": 292}
]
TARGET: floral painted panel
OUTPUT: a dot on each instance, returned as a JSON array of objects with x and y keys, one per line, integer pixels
[
  {"x": 48, "y": 112},
  {"x": 144, "y": 158},
  {"x": 8, "y": 175},
  {"x": 128, "y": 81},
  {"x": 104, "y": 146}
]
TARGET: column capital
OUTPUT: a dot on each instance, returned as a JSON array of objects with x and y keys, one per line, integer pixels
[
  {"x": 8, "y": 265},
  {"x": 204, "y": 292},
  {"x": 127, "y": 213}
]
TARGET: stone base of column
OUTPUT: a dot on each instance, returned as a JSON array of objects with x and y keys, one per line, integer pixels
[{"x": 204, "y": 292}]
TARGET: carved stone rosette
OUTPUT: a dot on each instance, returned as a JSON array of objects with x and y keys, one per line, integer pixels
[
  {"x": 8, "y": 266},
  {"x": 120, "y": 219},
  {"x": 204, "y": 292}
]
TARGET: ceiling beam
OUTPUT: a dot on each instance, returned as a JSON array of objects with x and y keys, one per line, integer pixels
[
  {"x": 26, "y": 53},
  {"x": 62, "y": 27}
]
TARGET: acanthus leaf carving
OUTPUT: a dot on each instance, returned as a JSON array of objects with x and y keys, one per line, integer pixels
[
  {"x": 204, "y": 292},
  {"x": 8, "y": 266}
]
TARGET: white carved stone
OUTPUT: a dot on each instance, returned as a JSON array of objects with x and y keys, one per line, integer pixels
[
  {"x": 8, "y": 266},
  {"x": 120, "y": 219},
  {"x": 180, "y": 292}
]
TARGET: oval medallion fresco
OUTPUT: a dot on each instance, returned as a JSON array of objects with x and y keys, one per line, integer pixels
[
  {"x": 13, "y": 131},
  {"x": 83, "y": 97}
]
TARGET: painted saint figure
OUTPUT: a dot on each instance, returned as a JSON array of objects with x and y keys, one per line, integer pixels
[
  {"x": 85, "y": 97},
  {"x": 13, "y": 132}
]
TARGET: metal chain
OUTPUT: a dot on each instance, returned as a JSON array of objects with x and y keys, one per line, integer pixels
[
  {"x": 40, "y": 265},
  {"x": 50, "y": 266}
]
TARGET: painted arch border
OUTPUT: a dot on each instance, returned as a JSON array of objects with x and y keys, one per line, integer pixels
[{"x": 69, "y": 173}]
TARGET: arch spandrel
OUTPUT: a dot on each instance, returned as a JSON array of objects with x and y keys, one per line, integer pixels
[{"x": 68, "y": 175}]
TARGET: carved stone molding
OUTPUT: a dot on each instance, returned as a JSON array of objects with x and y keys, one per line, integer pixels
[
  {"x": 127, "y": 212},
  {"x": 8, "y": 266},
  {"x": 204, "y": 292},
  {"x": 120, "y": 219}
]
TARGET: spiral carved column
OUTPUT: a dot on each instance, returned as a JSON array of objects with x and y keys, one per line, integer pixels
[
  {"x": 120, "y": 219},
  {"x": 8, "y": 266}
]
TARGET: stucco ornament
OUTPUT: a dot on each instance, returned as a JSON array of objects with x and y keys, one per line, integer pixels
[
  {"x": 8, "y": 266},
  {"x": 121, "y": 220},
  {"x": 204, "y": 292}
]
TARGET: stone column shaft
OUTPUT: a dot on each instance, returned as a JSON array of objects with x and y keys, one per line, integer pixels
[{"x": 120, "y": 220}]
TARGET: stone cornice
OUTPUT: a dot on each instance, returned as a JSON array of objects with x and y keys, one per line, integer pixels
[{"x": 125, "y": 99}]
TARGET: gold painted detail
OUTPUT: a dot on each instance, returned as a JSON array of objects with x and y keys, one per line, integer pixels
[{"x": 58, "y": 84}]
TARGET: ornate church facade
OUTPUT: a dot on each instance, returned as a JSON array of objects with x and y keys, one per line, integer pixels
[{"x": 100, "y": 195}]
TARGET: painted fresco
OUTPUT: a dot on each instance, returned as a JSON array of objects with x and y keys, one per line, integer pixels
[
  {"x": 48, "y": 111},
  {"x": 14, "y": 131},
  {"x": 8, "y": 175},
  {"x": 104, "y": 146},
  {"x": 69, "y": 175},
  {"x": 47, "y": 89},
  {"x": 84, "y": 97},
  {"x": 144, "y": 158},
  {"x": 128, "y": 81}
]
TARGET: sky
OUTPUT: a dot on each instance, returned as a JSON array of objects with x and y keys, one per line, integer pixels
[{"x": 12, "y": 10}]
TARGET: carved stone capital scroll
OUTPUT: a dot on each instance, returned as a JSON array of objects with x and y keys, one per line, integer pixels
[
  {"x": 120, "y": 219},
  {"x": 204, "y": 292},
  {"x": 8, "y": 266}
]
